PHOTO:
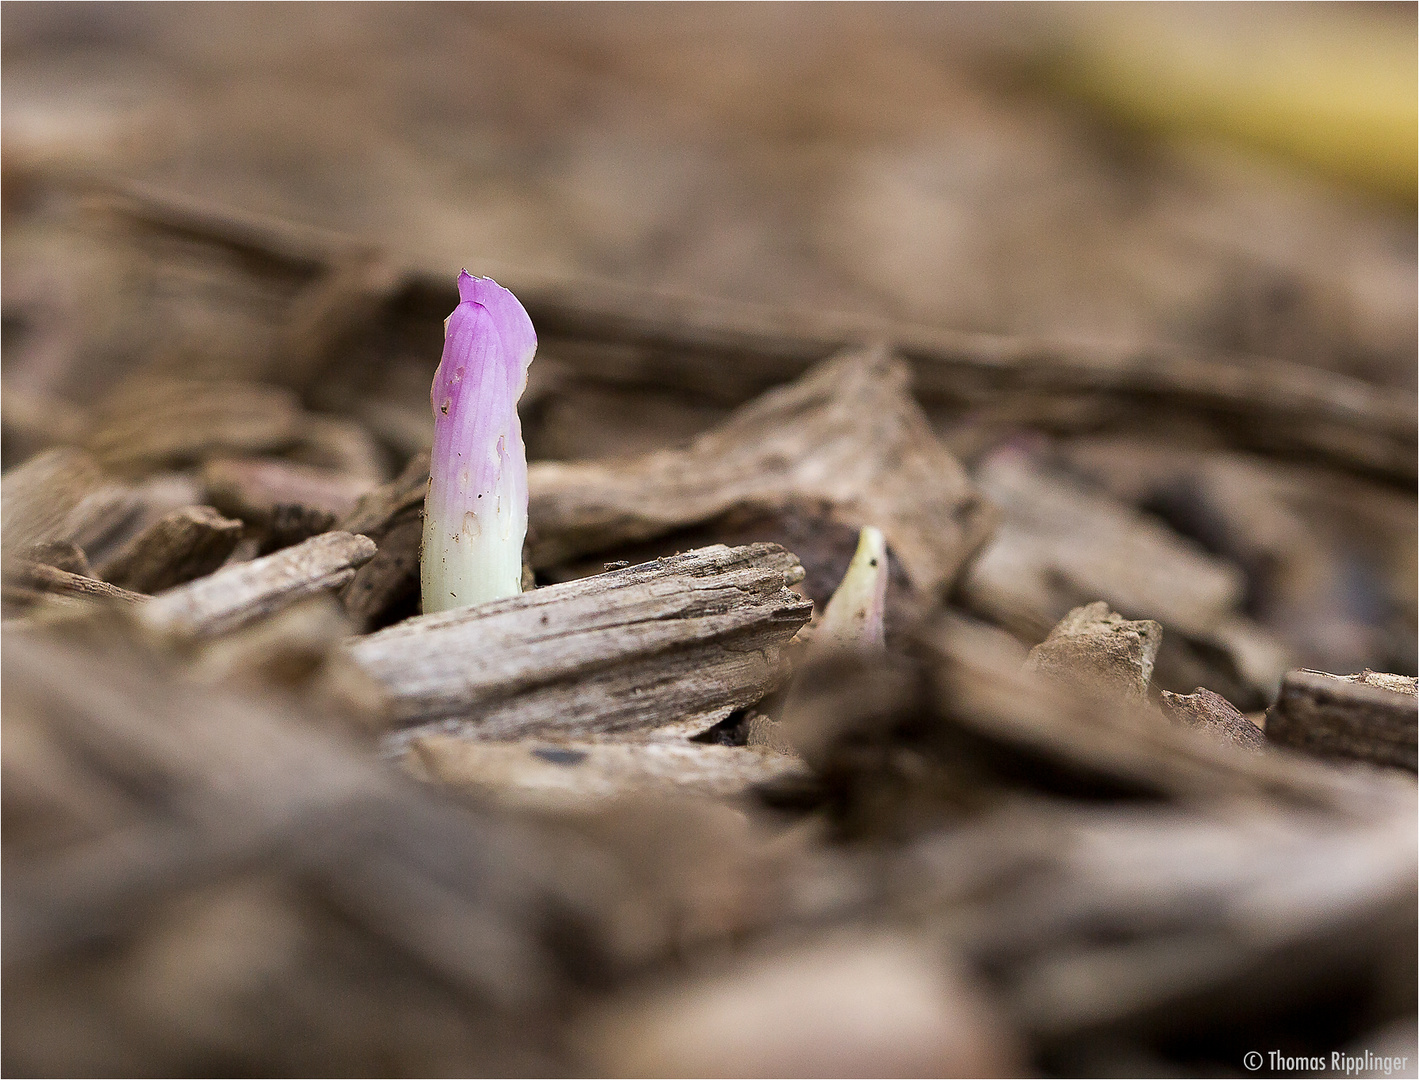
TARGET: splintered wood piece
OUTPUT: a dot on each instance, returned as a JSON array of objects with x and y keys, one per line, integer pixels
[
  {"x": 1098, "y": 648},
  {"x": 158, "y": 422},
  {"x": 283, "y": 502},
  {"x": 1060, "y": 544},
  {"x": 1371, "y": 717},
  {"x": 183, "y": 545},
  {"x": 392, "y": 516},
  {"x": 63, "y": 496},
  {"x": 39, "y": 496},
  {"x": 628, "y": 650},
  {"x": 252, "y": 488},
  {"x": 580, "y": 773},
  {"x": 176, "y": 794},
  {"x": 42, "y": 578},
  {"x": 1117, "y": 750},
  {"x": 731, "y": 350},
  {"x": 245, "y": 592},
  {"x": 849, "y": 433},
  {"x": 62, "y": 555},
  {"x": 1202, "y": 710}
]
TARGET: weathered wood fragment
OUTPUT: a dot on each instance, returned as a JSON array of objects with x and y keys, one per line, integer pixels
[
  {"x": 732, "y": 350},
  {"x": 154, "y": 423},
  {"x": 1369, "y": 717},
  {"x": 176, "y": 819},
  {"x": 848, "y": 433},
  {"x": 42, "y": 578},
  {"x": 1095, "y": 648},
  {"x": 1296, "y": 528},
  {"x": 1061, "y": 544},
  {"x": 578, "y": 774},
  {"x": 183, "y": 545},
  {"x": 1202, "y": 710},
  {"x": 62, "y": 555},
  {"x": 628, "y": 650},
  {"x": 242, "y": 593},
  {"x": 39, "y": 496},
  {"x": 976, "y": 724},
  {"x": 63, "y": 496},
  {"x": 114, "y": 514},
  {"x": 252, "y": 488},
  {"x": 392, "y": 516},
  {"x": 284, "y": 502}
]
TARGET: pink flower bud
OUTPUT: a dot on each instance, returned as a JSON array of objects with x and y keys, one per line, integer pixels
[{"x": 475, "y": 512}]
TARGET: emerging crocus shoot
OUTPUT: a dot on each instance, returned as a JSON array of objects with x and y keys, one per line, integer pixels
[
  {"x": 475, "y": 512},
  {"x": 854, "y": 616}
]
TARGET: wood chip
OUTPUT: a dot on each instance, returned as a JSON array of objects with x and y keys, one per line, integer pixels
[
  {"x": 40, "y": 494},
  {"x": 50, "y": 579},
  {"x": 62, "y": 555},
  {"x": 849, "y": 433},
  {"x": 628, "y": 650},
  {"x": 578, "y": 774},
  {"x": 1202, "y": 710},
  {"x": 391, "y": 515},
  {"x": 733, "y": 350},
  {"x": 252, "y": 488},
  {"x": 1093, "y": 647},
  {"x": 1061, "y": 544},
  {"x": 240, "y": 594},
  {"x": 154, "y": 423},
  {"x": 284, "y": 502},
  {"x": 1117, "y": 749},
  {"x": 183, "y": 545},
  {"x": 1369, "y": 717}
]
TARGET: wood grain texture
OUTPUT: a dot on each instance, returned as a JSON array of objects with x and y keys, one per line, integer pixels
[
  {"x": 849, "y": 432},
  {"x": 1061, "y": 543},
  {"x": 733, "y": 350},
  {"x": 252, "y": 488},
  {"x": 62, "y": 495},
  {"x": 628, "y": 650},
  {"x": 155, "y": 422},
  {"x": 1371, "y": 717},
  {"x": 1096, "y": 648},
  {"x": 1202, "y": 710},
  {"x": 392, "y": 515},
  {"x": 176, "y": 548},
  {"x": 38, "y": 577},
  {"x": 579, "y": 774},
  {"x": 245, "y": 592}
]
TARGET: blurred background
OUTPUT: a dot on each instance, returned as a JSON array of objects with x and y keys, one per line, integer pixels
[{"x": 1240, "y": 176}]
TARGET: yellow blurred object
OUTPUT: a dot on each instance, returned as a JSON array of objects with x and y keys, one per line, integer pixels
[{"x": 1333, "y": 86}]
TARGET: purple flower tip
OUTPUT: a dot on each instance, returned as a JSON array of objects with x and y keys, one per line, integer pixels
[{"x": 475, "y": 514}]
